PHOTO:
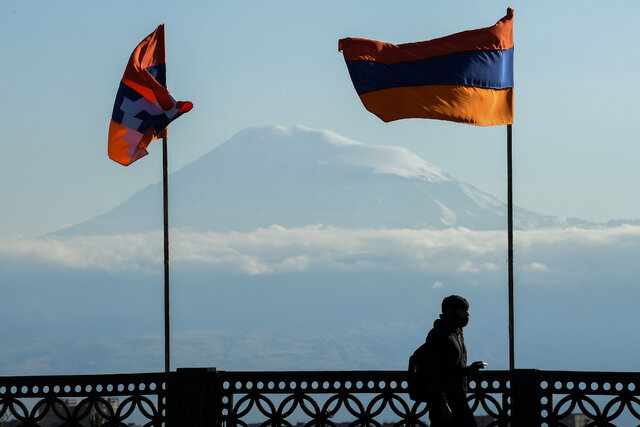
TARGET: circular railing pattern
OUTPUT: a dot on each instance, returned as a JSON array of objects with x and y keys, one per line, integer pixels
[
  {"x": 325, "y": 398},
  {"x": 361, "y": 396},
  {"x": 142, "y": 394},
  {"x": 565, "y": 393}
]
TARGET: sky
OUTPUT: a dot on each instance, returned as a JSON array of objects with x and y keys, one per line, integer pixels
[
  {"x": 87, "y": 303},
  {"x": 247, "y": 64}
]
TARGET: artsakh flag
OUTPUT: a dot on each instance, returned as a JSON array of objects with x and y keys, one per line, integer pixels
[
  {"x": 465, "y": 77},
  {"x": 143, "y": 106}
]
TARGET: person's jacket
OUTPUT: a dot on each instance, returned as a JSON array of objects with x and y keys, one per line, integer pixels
[{"x": 446, "y": 363}]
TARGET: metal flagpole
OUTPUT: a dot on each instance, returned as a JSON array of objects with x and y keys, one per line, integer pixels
[
  {"x": 510, "y": 247},
  {"x": 165, "y": 199}
]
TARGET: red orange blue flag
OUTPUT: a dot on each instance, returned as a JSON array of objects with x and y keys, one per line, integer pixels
[
  {"x": 143, "y": 107},
  {"x": 465, "y": 77}
]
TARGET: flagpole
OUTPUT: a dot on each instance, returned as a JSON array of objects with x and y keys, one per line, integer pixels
[
  {"x": 165, "y": 200},
  {"x": 510, "y": 245}
]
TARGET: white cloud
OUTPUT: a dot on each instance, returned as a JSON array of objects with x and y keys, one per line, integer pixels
[
  {"x": 470, "y": 267},
  {"x": 437, "y": 285},
  {"x": 113, "y": 253},
  {"x": 627, "y": 235},
  {"x": 536, "y": 266},
  {"x": 319, "y": 248}
]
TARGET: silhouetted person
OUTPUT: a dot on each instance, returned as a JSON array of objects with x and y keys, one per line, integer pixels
[{"x": 446, "y": 363}]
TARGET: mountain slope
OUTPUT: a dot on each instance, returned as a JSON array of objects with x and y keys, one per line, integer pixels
[{"x": 297, "y": 176}]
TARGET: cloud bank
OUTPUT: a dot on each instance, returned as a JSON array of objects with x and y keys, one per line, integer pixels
[{"x": 321, "y": 248}]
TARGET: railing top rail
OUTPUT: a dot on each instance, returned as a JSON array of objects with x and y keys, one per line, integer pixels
[
  {"x": 343, "y": 375},
  {"x": 317, "y": 374},
  {"x": 328, "y": 382},
  {"x": 83, "y": 385}
]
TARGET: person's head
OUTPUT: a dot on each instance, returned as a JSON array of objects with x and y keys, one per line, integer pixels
[{"x": 455, "y": 309}]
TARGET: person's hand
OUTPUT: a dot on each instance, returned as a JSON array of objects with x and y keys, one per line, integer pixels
[
  {"x": 476, "y": 366},
  {"x": 447, "y": 413}
]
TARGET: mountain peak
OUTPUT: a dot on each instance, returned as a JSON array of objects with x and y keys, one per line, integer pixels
[
  {"x": 296, "y": 176},
  {"x": 328, "y": 148}
]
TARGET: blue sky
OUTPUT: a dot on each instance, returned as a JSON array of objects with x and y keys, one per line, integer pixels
[
  {"x": 258, "y": 63},
  {"x": 246, "y": 63}
]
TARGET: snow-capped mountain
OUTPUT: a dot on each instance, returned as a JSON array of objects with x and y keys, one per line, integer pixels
[{"x": 298, "y": 176}]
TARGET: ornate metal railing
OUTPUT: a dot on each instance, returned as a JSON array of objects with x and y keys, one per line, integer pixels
[
  {"x": 78, "y": 400},
  {"x": 206, "y": 397},
  {"x": 603, "y": 397},
  {"x": 362, "y": 398}
]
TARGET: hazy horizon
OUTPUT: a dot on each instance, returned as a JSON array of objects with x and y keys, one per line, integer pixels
[{"x": 315, "y": 294}]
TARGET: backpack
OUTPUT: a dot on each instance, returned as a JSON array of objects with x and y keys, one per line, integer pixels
[{"x": 417, "y": 374}]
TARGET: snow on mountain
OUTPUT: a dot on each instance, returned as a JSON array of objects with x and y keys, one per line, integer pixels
[{"x": 296, "y": 176}]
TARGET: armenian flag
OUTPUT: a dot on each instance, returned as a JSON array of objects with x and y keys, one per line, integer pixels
[
  {"x": 143, "y": 107},
  {"x": 465, "y": 77}
]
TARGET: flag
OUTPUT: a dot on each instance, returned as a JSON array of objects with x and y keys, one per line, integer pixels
[
  {"x": 465, "y": 77},
  {"x": 143, "y": 106}
]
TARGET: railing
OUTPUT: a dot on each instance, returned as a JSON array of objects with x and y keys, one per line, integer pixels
[
  {"x": 206, "y": 397},
  {"x": 362, "y": 398},
  {"x": 107, "y": 400},
  {"x": 602, "y": 396}
]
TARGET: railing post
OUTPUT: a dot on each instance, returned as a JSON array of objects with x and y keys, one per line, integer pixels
[
  {"x": 525, "y": 398},
  {"x": 191, "y": 399}
]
